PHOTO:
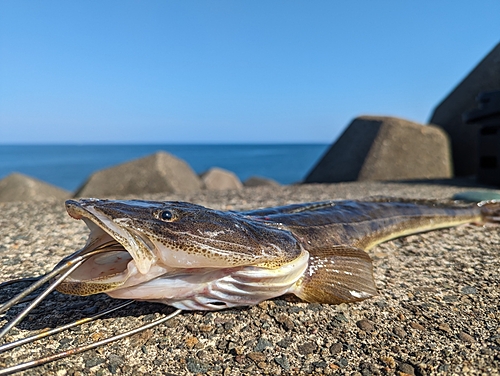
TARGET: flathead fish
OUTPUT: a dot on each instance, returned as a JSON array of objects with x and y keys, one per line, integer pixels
[{"x": 196, "y": 258}]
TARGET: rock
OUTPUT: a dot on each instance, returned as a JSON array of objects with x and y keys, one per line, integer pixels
[
  {"x": 417, "y": 326},
  {"x": 195, "y": 366},
  {"x": 406, "y": 369},
  {"x": 365, "y": 325},
  {"x": 259, "y": 181},
  {"x": 257, "y": 356},
  {"x": 343, "y": 362},
  {"x": 385, "y": 148},
  {"x": 285, "y": 321},
  {"x": 20, "y": 187},
  {"x": 399, "y": 332},
  {"x": 336, "y": 348},
  {"x": 468, "y": 290},
  {"x": 320, "y": 364},
  {"x": 92, "y": 362},
  {"x": 306, "y": 348},
  {"x": 283, "y": 362},
  {"x": 448, "y": 114},
  {"x": 157, "y": 173},
  {"x": 262, "y": 344},
  {"x": 218, "y": 179},
  {"x": 284, "y": 343},
  {"x": 486, "y": 120},
  {"x": 444, "y": 327},
  {"x": 466, "y": 337}
]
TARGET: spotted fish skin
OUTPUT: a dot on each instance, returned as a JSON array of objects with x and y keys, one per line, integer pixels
[
  {"x": 194, "y": 257},
  {"x": 337, "y": 235}
]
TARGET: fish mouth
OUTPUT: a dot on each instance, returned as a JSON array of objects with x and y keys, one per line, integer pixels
[{"x": 125, "y": 252}]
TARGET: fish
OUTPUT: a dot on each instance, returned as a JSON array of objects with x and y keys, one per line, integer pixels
[{"x": 195, "y": 258}]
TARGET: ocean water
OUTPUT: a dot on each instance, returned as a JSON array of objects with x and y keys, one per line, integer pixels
[{"x": 68, "y": 166}]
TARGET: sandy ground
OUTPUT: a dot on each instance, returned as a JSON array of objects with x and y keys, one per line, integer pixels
[{"x": 437, "y": 311}]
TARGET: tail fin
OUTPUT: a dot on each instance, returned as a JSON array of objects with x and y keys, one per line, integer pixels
[
  {"x": 490, "y": 211},
  {"x": 335, "y": 275}
]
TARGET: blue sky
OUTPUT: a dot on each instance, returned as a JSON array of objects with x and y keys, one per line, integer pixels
[{"x": 228, "y": 71}]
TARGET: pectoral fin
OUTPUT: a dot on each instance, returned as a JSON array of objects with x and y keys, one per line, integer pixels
[{"x": 336, "y": 275}]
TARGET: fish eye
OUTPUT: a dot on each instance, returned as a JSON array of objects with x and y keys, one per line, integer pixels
[{"x": 166, "y": 215}]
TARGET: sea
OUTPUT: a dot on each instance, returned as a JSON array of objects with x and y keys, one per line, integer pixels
[{"x": 68, "y": 166}]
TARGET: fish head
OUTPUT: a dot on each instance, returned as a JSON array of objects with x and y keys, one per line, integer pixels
[{"x": 147, "y": 239}]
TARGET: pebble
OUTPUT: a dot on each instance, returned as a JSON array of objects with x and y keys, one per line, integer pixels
[
  {"x": 443, "y": 368},
  {"x": 262, "y": 343},
  {"x": 283, "y": 362},
  {"x": 450, "y": 298},
  {"x": 416, "y": 325},
  {"x": 389, "y": 361},
  {"x": 240, "y": 359},
  {"x": 468, "y": 290},
  {"x": 399, "y": 332},
  {"x": 205, "y": 328},
  {"x": 406, "y": 369},
  {"x": 466, "y": 337},
  {"x": 444, "y": 327},
  {"x": 173, "y": 323},
  {"x": 320, "y": 364},
  {"x": 343, "y": 362},
  {"x": 195, "y": 366},
  {"x": 114, "y": 361},
  {"x": 307, "y": 348},
  {"x": 191, "y": 341},
  {"x": 263, "y": 365},
  {"x": 285, "y": 321},
  {"x": 92, "y": 362},
  {"x": 340, "y": 317},
  {"x": 365, "y": 325},
  {"x": 336, "y": 348},
  {"x": 314, "y": 307},
  {"x": 285, "y": 342},
  {"x": 257, "y": 356}
]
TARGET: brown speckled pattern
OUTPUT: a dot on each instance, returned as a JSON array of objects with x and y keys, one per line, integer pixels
[{"x": 242, "y": 241}]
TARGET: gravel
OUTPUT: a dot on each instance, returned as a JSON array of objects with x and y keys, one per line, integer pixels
[{"x": 437, "y": 311}]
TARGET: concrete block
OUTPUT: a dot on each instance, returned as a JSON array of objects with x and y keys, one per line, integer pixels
[
  {"x": 218, "y": 179},
  {"x": 448, "y": 114},
  {"x": 385, "y": 148},
  {"x": 487, "y": 120},
  {"x": 20, "y": 187},
  {"x": 157, "y": 173},
  {"x": 259, "y": 181}
]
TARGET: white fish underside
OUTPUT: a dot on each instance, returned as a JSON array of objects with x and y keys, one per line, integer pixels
[{"x": 211, "y": 288}]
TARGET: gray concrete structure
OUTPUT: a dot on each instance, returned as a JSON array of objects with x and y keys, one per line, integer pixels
[
  {"x": 448, "y": 114},
  {"x": 20, "y": 187},
  {"x": 159, "y": 172},
  {"x": 385, "y": 148},
  {"x": 218, "y": 179},
  {"x": 260, "y": 181}
]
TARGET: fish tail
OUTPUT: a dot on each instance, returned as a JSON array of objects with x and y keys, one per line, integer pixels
[
  {"x": 490, "y": 211},
  {"x": 339, "y": 274}
]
